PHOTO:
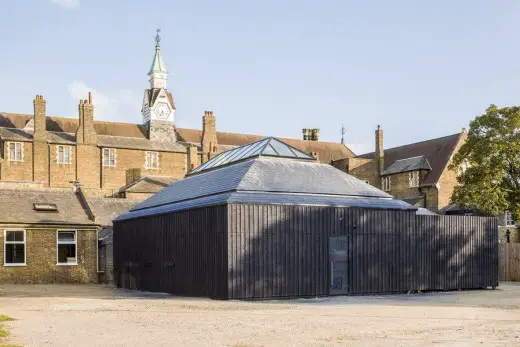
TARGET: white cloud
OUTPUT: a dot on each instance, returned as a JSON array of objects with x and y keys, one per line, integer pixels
[
  {"x": 360, "y": 148},
  {"x": 122, "y": 106},
  {"x": 67, "y": 3}
]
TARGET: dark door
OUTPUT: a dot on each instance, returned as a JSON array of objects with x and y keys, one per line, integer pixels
[{"x": 338, "y": 263}]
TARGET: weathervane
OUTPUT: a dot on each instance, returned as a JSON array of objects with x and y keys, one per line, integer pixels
[
  {"x": 343, "y": 131},
  {"x": 157, "y": 37}
]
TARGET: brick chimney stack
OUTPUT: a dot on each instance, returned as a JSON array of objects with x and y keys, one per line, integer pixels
[
  {"x": 40, "y": 128},
  {"x": 86, "y": 133},
  {"x": 209, "y": 136},
  {"x": 40, "y": 147},
  {"x": 193, "y": 158},
  {"x": 315, "y": 134},
  {"x": 380, "y": 152},
  {"x": 87, "y": 152},
  {"x": 311, "y": 134}
]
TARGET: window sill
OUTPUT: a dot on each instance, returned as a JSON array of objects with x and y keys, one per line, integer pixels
[
  {"x": 66, "y": 264},
  {"x": 14, "y": 265}
]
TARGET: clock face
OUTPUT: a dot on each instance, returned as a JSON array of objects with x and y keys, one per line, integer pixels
[{"x": 163, "y": 110}]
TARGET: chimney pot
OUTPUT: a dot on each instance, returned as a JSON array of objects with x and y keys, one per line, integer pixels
[{"x": 89, "y": 97}]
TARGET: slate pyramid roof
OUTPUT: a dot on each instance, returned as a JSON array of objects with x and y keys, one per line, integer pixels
[{"x": 254, "y": 174}]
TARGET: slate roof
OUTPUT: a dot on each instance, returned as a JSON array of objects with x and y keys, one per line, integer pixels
[
  {"x": 267, "y": 180},
  {"x": 269, "y": 199},
  {"x": 17, "y": 207},
  {"x": 413, "y": 200},
  {"x": 107, "y": 209},
  {"x": 438, "y": 152},
  {"x": 148, "y": 184},
  {"x": 327, "y": 151},
  {"x": 264, "y": 174},
  {"x": 137, "y": 143},
  {"x": 408, "y": 164},
  {"x": 266, "y": 147},
  {"x": 154, "y": 93}
]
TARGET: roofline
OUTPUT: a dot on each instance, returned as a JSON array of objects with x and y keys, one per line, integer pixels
[
  {"x": 260, "y": 192},
  {"x": 219, "y": 203},
  {"x": 403, "y": 171},
  {"x": 410, "y": 144},
  {"x": 124, "y": 188},
  {"x": 57, "y": 224},
  {"x": 141, "y": 125}
]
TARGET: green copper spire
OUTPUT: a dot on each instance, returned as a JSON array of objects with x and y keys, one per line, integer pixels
[{"x": 158, "y": 63}]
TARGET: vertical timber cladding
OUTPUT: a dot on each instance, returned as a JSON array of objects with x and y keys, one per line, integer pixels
[
  {"x": 282, "y": 251},
  {"x": 182, "y": 253}
]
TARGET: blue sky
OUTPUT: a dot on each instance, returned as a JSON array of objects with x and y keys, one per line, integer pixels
[{"x": 421, "y": 69}]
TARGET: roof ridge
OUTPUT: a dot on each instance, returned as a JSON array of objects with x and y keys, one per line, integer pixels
[{"x": 413, "y": 143}]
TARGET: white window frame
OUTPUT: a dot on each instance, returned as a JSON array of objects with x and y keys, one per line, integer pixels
[
  {"x": 75, "y": 243},
  {"x": 17, "y": 243},
  {"x": 111, "y": 153},
  {"x": 66, "y": 160},
  {"x": 508, "y": 217},
  {"x": 386, "y": 183},
  {"x": 148, "y": 162},
  {"x": 414, "y": 179},
  {"x": 15, "y": 151}
]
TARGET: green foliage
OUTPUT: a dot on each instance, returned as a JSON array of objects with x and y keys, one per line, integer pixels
[
  {"x": 4, "y": 318},
  {"x": 491, "y": 182}
]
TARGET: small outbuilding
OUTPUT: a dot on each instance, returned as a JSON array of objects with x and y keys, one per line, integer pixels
[{"x": 266, "y": 220}]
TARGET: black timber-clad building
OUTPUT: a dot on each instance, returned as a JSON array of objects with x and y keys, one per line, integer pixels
[{"x": 266, "y": 220}]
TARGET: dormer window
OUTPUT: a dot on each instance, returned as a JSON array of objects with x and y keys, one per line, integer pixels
[{"x": 414, "y": 179}]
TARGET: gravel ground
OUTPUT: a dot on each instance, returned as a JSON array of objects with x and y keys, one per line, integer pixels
[{"x": 93, "y": 315}]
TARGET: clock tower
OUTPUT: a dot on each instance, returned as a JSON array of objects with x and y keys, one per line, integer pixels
[{"x": 158, "y": 108}]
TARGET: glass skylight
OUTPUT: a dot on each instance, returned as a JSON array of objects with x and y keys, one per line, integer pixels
[{"x": 269, "y": 146}]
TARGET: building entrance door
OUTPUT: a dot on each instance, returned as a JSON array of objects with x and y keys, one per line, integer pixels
[{"x": 338, "y": 263}]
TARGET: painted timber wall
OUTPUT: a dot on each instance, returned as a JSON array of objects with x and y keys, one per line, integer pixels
[
  {"x": 244, "y": 251},
  {"x": 182, "y": 253},
  {"x": 283, "y": 251}
]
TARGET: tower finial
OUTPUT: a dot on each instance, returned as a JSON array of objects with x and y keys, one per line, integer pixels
[
  {"x": 343, "y": 131},
  {"x": 158, "y": 37}
]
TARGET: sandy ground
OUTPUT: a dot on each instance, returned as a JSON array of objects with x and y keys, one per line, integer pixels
[{"x": 90, "y": 315}]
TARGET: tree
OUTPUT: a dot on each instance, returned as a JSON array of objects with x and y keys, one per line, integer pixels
[{"x": 490, "y": 181}]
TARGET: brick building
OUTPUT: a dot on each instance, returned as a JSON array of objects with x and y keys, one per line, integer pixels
[
  {"x": 47, "y": 236},
  {"x": 417, "y": 173},
  {"x": 120, "y": 159}
]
